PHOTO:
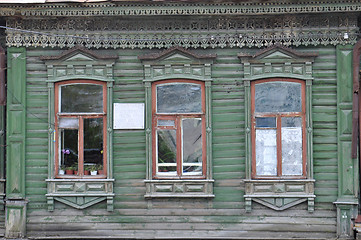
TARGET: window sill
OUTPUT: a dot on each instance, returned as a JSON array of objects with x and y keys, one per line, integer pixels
[
  {"x": 80, "y": 193},
  {"x": 180, "y": 188},
  {"x": 67, "y": 177},
  {"x": 279, "y": 194}
]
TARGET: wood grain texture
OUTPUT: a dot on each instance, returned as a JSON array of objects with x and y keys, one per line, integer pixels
[{"x": 222, "y": 217}]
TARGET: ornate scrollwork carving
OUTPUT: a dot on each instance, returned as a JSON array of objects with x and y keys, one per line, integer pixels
[
  {"x": 195, "y": 9},
  {"x": 232, "y": 31}
]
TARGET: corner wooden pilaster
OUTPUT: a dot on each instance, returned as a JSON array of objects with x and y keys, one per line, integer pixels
[
  {"x": 15, "y": 203},
  {"x": 2, "y": 155},
  {"x": 347, "y": 167}
]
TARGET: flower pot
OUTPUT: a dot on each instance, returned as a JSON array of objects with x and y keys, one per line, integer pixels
[
  {"x": 69, "y": 172},
  {"x": 61, "y": 172},
  {"x": 101, "y": 172},
  {"x": 93, "y": 173},
  {"x": 86, "y": 172},
  {"x": 75, "y": 172}
]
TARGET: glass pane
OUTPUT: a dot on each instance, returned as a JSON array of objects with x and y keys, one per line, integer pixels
[
  {"x": 69, "y": 123},
  {"x": 93, "y": 145},
  {"x": 266, "y": 122},
  {"x": 167, "y": 169},
  {"x": 68, "y": 150},
  {"x": 278, "y": 97},
  {"x": 192, "y": 145},
  {"x": 85, "y": 98},
  {"x": 291, "y": 146},
  {"x": 179, "y": 98},
  {"x": 167, "y": 150},
  {"x": 266, "y": 152},
  {"x": 166, "y": 123}
]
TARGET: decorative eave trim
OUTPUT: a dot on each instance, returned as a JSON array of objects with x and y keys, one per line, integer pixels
[
  {"x": 217, "y": 32},
  {"x": 181, "y": 9}
]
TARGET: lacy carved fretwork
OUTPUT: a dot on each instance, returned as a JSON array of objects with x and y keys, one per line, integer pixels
[
  {"x": 183, "y": 8},
  {"x": 186, "y": 24},
  {"x": 187, "y": 32}
]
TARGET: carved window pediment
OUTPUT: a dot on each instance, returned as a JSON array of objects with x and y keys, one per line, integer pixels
[
  {"x": 177, "y": 62},
  {"x": 77, "y": 54},
  {"x": 278, "y": 61},
  {"x": 79, "y": 63}
]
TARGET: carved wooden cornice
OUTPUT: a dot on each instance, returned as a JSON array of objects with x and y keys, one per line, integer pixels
[
  {"x": 188, "y": 32},
  {"x": 195, "y": 8}
]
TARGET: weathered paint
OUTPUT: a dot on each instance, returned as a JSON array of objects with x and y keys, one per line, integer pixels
[
  {"x": 224, "y": 216},
  {"x": 347, "y": 167},
  {"x": 16, "y": 144}
]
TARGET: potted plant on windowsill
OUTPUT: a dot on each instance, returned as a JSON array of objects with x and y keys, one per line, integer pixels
[
  {"x": 62, "y": 170},
  {"x": 93, "y": 170},
  {"x": 100, "y": 169},
  {"x": 75, "y": 167},
  {"x": 69, "y": 170},
  {"x": 87, "y": 170}
]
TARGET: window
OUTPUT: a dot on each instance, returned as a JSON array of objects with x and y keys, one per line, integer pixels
[
  {"x": 80, "y": 120},
  {"x": 278, "y": 128},
  {"x": 179, "y": 140}
]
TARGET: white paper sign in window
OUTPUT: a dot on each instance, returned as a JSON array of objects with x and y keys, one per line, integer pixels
[{"x": 128, "y": 116}]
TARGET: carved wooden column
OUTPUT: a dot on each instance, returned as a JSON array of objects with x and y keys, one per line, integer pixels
[
  {"x": 347, "y": 167},
  {"x": 15, "y": 212}
]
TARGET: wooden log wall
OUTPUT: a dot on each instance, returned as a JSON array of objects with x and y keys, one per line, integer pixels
[{"x": 224, "y": 216}]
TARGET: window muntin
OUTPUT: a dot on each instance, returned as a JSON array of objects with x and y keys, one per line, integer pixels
[
  {"x": 178, "y": 129},
  {"x": 278, "y": 129},
  {"x": 80, "y": 139}
]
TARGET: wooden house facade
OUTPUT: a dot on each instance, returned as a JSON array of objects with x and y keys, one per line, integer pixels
[{"x": 196, "y": 119}]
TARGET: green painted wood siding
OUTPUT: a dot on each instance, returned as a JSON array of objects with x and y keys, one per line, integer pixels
[
  {"x": 224, "y": 216},
  {"x": 2, "y": 160}
]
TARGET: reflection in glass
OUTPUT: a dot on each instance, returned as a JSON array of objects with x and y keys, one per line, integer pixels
[
  {"x": 68, "y": 149},
  {"x": 291, "y": 146},
  {"x": 81, "y": 98},
  {"x": 69, "y": 123},
  {"x": 166, "y": 123},
  {"x": 192, "y": 145},
  {"x": 167, "y": 151},
  {"x": 266, "y": 122},
  {"x": 278, "y": 97},
  {"x": 266, "y": 152},
  {"x": 93, "y": 143},
  {"x": 179, "y": 98}
]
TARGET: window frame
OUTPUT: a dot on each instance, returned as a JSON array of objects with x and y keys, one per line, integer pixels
[
  {"x": 278, "y": 116},
  {"x": 177, "y": 117},
  {"x": 81, "y": 117}
]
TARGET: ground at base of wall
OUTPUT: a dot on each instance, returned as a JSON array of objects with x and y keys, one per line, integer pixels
[{"x": 110, "y": 238}]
